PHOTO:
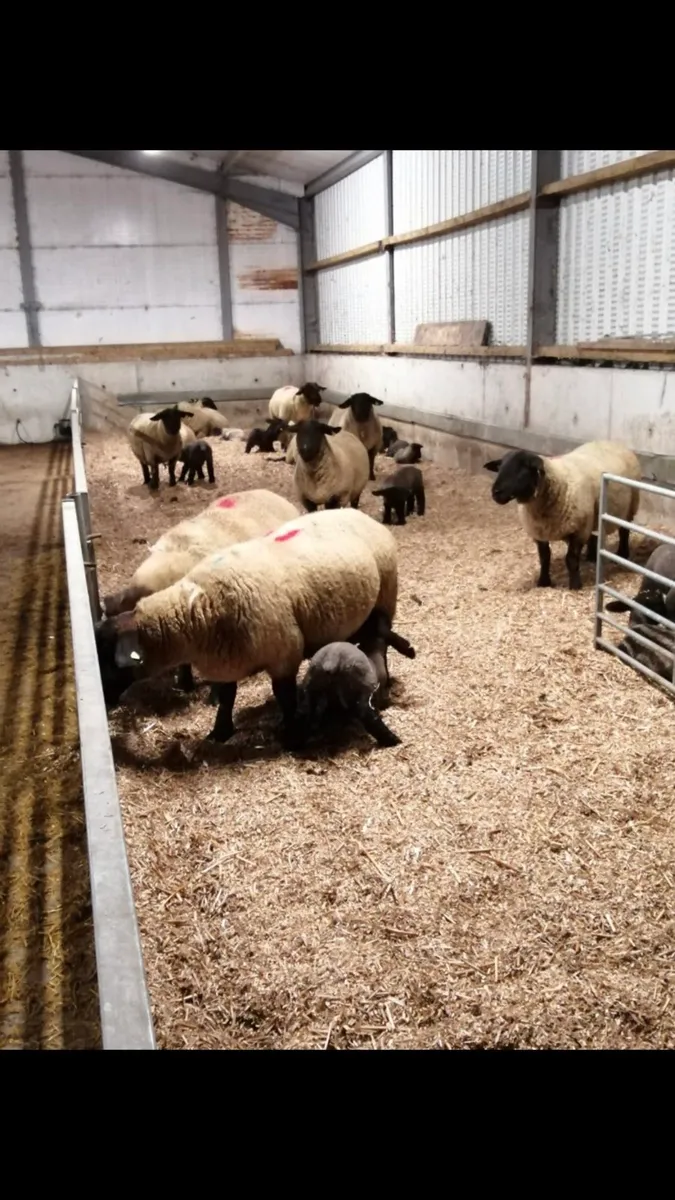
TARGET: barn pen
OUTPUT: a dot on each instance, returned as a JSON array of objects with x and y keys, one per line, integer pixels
[{"x": 504, "y": 877}]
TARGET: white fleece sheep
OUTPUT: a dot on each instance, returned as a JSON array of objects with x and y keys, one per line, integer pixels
[
  {"x": 203, "y": 419},
  {"x": 228, "y": 520},
  {"x": 262, "y": 605},
  {"x": 558, "y": 498},
  {"x": 355, "y": 415},
  {"x": 156, "y": 438},
  {"x": 187, "y": 436},
  {"x": 291, "y": 404},
  {"x": 331, "y": 466}
]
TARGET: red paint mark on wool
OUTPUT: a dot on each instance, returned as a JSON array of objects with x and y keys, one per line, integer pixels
[
  {"x": 226, "y": 502},
  {"x": 285, "y": 537}
]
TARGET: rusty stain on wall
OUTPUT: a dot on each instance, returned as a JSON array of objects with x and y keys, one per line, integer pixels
[
  {"x": 269, "y": 279},
  {"x": 243, "y": 225}
]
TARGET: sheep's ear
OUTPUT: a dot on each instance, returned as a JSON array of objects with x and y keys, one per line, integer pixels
[
  {"x": 494, "y": 465},
  {"x": 330, "y": 429},
  {"x": 374, "y": 401},
  {"x": 345, "y": 403},
  {"x": 289, "y": 427},
  {"x": 320, "y": 388},
  {"x": 617, "y": 606},
  {"x": 128, "y": 651}
]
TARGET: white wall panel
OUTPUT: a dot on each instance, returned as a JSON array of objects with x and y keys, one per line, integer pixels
[
  {"x": 475, "y": 275},
  {"x": 106, "y": 326},
  {"x": 435, "y": 185},
  {"x": 125, "y": 211},
  {"x": 616, "y": 269},
  {"x": 13, "y": 330},
  {"x": 577, "y": 162},
  {"x": 353, "y": 304},
  {"x": 127, "y": 277},
  {"x": 352, "y": 212}
]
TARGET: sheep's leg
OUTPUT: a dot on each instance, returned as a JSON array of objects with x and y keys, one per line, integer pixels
[
  {"x": 400, "y": 511},
  {"x": 355, "y": 503},
  {"x": 146, "y": 473},
  {"x": 223, "y": 729},
  {"x": 421, "y": 502},
  {"x": 286, "y": 696},
  {"x": 181, "y": 477},
  {"x": 401, "y": 644},
  {"x": 572, "y": 558},
  {"x": 371, "y": 460},
  {"x": 386, "y": 513},
  {"x": 309, "y": 504},
  {"x": 592, "y": 548},
  {"x": 373, "y": 723},
  {"x": 334, "y": 502},
  {"x": 172, "y": 471},
  {"x": 624, "y": 538},
  {"x": 544, "y": 551},
  {"x": 185, "y": 678},
  {"x": 200, "y": 472},
  {"x": 410, "y": 504},
  {"x": 154, "y": 476},
  {"x": 209, "y": 467}
]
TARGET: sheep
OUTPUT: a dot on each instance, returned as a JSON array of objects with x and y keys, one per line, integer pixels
[
  {"x": 374, "y": 638},
  {"x": 290, "y": 404},
  {"x": 360, "y": 420},
  {"x": 389, "y": 436},
  {"x": 558, "y": 499},
  {"x": 332, "y": 473},
  {"x": 409, "y": 453},
  {"x": 654, "y": 658},
  {"x": 228, "y": 520},
  {"x": 264, "y": 439},
  {"x": 400, "y": 492},
  {"x": 261, "y": 605},
  {"x": 233, "y": 435},
  {"x": 292, "y": 452},
  {"x": 652, "y": 595},
  {"x": 155, "y": 439},
  {"x": 203, "y": 417},
  {"x": 340, "y": 677},
  {"x": 193, "y": 458}
]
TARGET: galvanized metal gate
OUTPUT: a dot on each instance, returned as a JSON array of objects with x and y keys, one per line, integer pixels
[{"x": 603, "y": 589}]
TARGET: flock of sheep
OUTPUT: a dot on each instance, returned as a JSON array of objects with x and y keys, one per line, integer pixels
[{"x": 248, "y": 585}]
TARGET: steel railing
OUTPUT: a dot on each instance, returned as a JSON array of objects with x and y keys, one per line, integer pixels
[
  {"x": 603, "y": 589},
  {"x": 126, "y": 1021}
]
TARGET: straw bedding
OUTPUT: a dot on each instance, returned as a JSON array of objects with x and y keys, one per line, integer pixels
[{"x": 504, "y": 878}]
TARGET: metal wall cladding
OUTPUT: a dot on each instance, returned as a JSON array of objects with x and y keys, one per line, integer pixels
[
  {"x": 351, "y": 213},
  {"x": 477, "y": 274},
  {"x": 577, "y": 162},
  {"x": 616, "y": 261},
  {"x": 353, "y": 303},
  {"x": 119, "y": 257},
  {"x": 12, "y": 320},
  {"x": 435, "y": 185}
]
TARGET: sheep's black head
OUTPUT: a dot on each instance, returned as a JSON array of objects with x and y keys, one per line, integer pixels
[
  {"x": 389, "y": 436},
  {"x": 518, "y": 476},
  {"x": 361, "y": 405},
  {"x": 170, "y": 418},
  {"x": 119, "y": 655},
  {"x": 311, "y": 392},
  {"x": 650, "y": 596},
  {"x": 207, "y": 402},
  {"x": 309, "y": 437}
]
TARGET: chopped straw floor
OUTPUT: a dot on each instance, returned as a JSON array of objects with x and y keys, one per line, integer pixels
[
  {"x": 48, "y": 997},
  {"x": 504, "y": 878}
]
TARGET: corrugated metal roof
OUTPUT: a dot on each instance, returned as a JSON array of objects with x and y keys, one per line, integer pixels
[{"x": 295, "y": 166}]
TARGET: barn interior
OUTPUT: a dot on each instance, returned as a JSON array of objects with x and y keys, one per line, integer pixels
[{"x": 501, "y": 878}]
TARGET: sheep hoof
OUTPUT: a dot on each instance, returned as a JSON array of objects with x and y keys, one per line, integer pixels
[
  {"x": 548, "y": 583},
  {"x": 220, "y": 735}
]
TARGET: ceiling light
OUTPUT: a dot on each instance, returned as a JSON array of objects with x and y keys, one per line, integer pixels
[{"x": 152, "y": 151}]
